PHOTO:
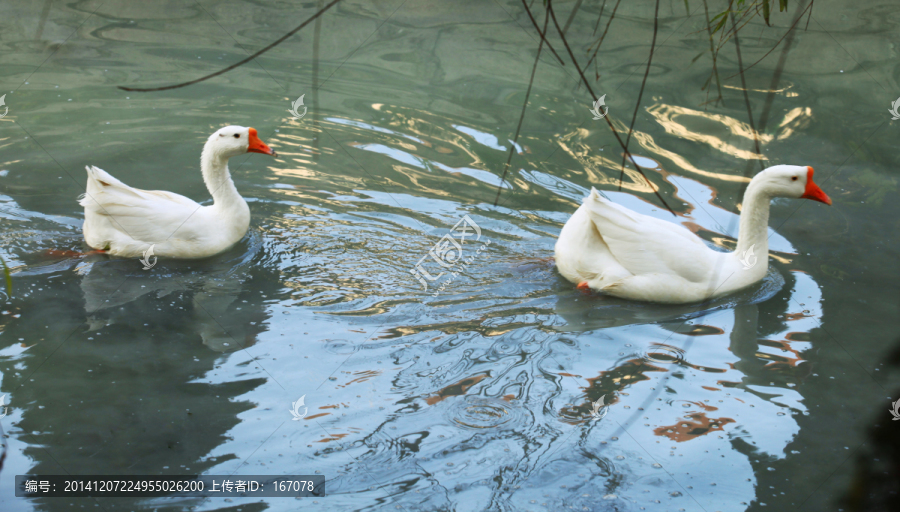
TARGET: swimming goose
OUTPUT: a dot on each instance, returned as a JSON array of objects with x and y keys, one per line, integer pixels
[
  {"x": 126, "y": 221},
  {"x": 611, "y": 249}
]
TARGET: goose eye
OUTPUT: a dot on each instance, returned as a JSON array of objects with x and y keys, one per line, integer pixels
[
  {"x": 793, "y": 178},
  {"x": 237, "y": 136}
]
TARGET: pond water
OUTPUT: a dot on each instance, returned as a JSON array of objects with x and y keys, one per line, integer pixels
[{"x": 478, "y": 390}]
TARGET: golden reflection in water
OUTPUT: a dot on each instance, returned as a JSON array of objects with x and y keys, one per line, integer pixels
[
  {"x": 738, "y": 88},
  {"x": 695, "y": 426},
  {"x": 592, "y": 162},
  {"x": 646, "y": 141},
  {"x": 416, "y": 122},
  {"x": 667, "y": 116},
  {"x": 421, "y": 134},
  {"x": 795, "y": 120}
]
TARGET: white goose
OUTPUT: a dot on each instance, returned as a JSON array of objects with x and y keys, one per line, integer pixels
[
  {"x": 125, "y": 221},
  {"x": 614, "y": 250}
]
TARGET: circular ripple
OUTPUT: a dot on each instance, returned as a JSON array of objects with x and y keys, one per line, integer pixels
[
  {"x": 503, "y": 349},
  {"x": 482, "y": 413},
  {"x": 340, "y": 347},
  {"x": 663, "y": 354}
]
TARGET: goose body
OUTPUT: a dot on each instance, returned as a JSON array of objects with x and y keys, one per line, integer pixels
[
  {"x": 611, "y": 249},
  {"x": 126, "y": 221}
]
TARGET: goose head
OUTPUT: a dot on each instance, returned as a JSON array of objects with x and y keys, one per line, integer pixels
[
  {"x": 792, "y": 181},
  {"x": 235, "y": 140}
]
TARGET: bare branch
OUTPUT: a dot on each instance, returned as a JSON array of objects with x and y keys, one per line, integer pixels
[
  {"x": 603, "y": 36},
  {"x": 637, "y": 105},
  {"x": 543, "y": 36},
  {"x": 776, "y": 44},
  {"x": 737, "y": 47},
  {"x": 776, "y": 77},
  {"x": 241, "y": 63},
  {"x": 714, "y": 54},
  {"x": 608, "y": 122},
  {"x": 512, "y": 148}
]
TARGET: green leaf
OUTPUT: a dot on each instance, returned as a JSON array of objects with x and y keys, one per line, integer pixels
[
  {"x": 766, "y": 11},
  {"x": 697, "y": 57},
  {"x": 782, "y": 5},
  {"x": 719, "y": 25}
]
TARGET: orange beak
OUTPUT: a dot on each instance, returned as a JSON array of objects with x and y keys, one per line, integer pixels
[
  {"x": 258, "y": 146},
  {"x": 813, "y": 191},
  {"x": 583, "y": 286}
]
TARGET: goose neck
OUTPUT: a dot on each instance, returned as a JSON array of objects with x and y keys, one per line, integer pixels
[
  {"x": 217, "y": 178},
  {"x": 754, "y": 224}
]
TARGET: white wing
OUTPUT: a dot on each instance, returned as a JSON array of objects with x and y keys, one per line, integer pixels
[
  {"x": 142, "y": 215},
  {"x": 299, "y": 102},
  {"x": 646, "y": 245}
]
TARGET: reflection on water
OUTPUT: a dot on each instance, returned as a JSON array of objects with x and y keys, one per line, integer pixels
[{"x": 479, "y": 398}]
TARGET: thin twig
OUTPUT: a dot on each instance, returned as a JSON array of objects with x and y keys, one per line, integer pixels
[
  {"x": 637, "y": 105},
  {"x": 43, "y": 20},
  {"x": 776, "y": 77},
  {"x": 603, "y": 36},
  {"x": 241, "y": 63},
  {"x": 737, "y": 47},
  {"x": 602, "y": 7},
  {"x": 722, "y": 33},
  {"x": 512, "y": 148},
  {"x": 810, "y": 15},
  {"x": 543, "y": 36},
  {"x": 317, "y": 35},
  {"x": 715, "y": 54},
  {"x": 746, "y": 17},
  {"x": 608, "y": 122},
  {"x": 571, "y": 16},
  {"x": 776, "y": 44}
]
